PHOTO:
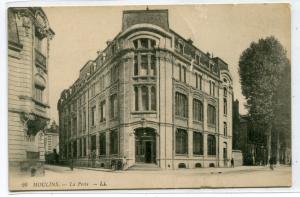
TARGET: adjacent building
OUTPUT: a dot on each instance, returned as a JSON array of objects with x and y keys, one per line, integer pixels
[
  {"x": 150, "y": 96},
  {"x": 29, "y": 35},
  {"x": 52, "y": 139}
]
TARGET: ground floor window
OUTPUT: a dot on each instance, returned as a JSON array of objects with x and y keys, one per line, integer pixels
[
  {"x": 93, "y": 142},
  {"x": 84, "y": 146},
  {"x": 102, "y": 144},
  {"x": 80, "y": 147},
  {"x": 114, "y": 141},
  {"x": 181, "y": 141},
  {"x": 211, "y": 145},
  {"x": 197, "y": 143}
]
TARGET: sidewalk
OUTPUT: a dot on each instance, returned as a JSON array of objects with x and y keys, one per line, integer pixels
[{"x": 194, "y": 170}]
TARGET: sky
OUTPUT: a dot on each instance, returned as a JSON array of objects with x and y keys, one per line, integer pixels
[{"x": 223, "y": 30}]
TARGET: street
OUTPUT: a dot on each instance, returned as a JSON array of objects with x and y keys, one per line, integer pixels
[{"x": 62, "y": 178}]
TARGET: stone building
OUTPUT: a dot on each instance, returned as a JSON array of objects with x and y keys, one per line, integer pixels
[
  {"x": 150, "y": 96},
  {"x": 52, "y": 139},
  {"x": 28, "y": 48}
]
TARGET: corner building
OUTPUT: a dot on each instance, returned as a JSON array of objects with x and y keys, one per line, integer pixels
[
  {"x": 151, "y": 96},
  {"x": 29, "y": 36}
]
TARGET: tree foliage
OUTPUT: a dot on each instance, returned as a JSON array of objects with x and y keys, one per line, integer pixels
[
  {"x": 265, "y": 79},
  {"x": 261, "y": 67}
]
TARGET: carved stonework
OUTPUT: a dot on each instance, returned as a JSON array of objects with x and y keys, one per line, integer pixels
[
  {"x": 26, "y": 24},
  {"x": 32, "y": 124}
]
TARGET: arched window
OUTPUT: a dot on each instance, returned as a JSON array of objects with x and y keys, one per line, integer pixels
[
  {"x": 225, "y": 129},
  {"x": 145, "y": 98},
  {"x": 181, "y": 141},
  {"x": 211, "y": 145},
  {"x": 225, "y": 106},
  {"x": 225, "y": 92},
  {"x": 153, "y": 98}
]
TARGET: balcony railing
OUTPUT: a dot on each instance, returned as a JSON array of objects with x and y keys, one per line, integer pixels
[{"x": 40, "y": 59}]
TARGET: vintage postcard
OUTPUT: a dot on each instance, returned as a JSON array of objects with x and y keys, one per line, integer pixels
[{"x": 149, "y": 97}]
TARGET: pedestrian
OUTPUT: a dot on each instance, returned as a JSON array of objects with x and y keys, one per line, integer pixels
[
  {"x": 232, "y": 162},
  {"x": 93, "y": 155},
  {"x": 271, "y": 163},
  {"x": 71, "y": 164},
  {"x": 124, "y": 163}
]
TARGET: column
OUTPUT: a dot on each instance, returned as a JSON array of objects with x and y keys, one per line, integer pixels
[
  {"x": 97, "y": 144},
  {"x": 140, "y": 98},
  {"x": 149, "y": 97}
]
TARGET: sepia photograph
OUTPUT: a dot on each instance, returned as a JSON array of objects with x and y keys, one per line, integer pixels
[{"x": 138, "y": 97}]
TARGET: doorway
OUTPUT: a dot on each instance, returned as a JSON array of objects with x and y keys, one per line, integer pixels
[{"x": 145, "y": 143}]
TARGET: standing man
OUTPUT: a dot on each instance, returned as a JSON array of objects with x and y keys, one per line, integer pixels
[{"x": 232, "y": 162}]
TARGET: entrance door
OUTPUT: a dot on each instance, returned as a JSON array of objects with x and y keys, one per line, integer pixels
[{"x": 145, "y": 151}]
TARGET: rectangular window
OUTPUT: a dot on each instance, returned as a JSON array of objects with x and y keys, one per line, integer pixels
[
  {"x": 136, "y": 98},
  {"x": 74, "y": 126},
  {"x": 84, "y": 146},
  {"x": 80, "y": 147},
  {"x": 113, "y": 107},
  {"x": 179, "y": 66},
  {"x": 114, "y": 139},
  {"x": 183, "y": 74},
  {"x": 93, "y": 114},
  {"x": 39, "y": 93},
  {"x": 102, "y": 144},
  {"x": 93, "y": 142},
  {"x": 80, "y": 121},
  {"x": 197, "y": 143},
  {"x": 153, "y": 66},
  {"x": 197, "y": 110},
  {"x": 144, "y": 65},
  {"x": 213, "y": 88},
  {"x": 199, "y": 82},
  {"x": 136, "y": 66},
  {"x": 102, "y": 111},
  {"x": 211, "y": 145},
  {"x": 93, "y": 90},
  {"x": 211, "y": 113},
  {"x": 181, "y": 141},
  {"x": 181, "y": 105},
  {"x": 84, "y": 120}
]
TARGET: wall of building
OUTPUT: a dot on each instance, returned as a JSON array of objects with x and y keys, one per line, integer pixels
[
  {"x": 23, "y": 108},
  {"x": 163, "y": 119}
]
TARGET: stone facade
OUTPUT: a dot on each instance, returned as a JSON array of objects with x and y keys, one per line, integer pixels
[
  {"x": 28, "y": 48},
  {"x": 150, "y": 97}
]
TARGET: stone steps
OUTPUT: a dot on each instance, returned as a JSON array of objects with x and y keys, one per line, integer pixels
[{"x": 144, "y": 167}]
